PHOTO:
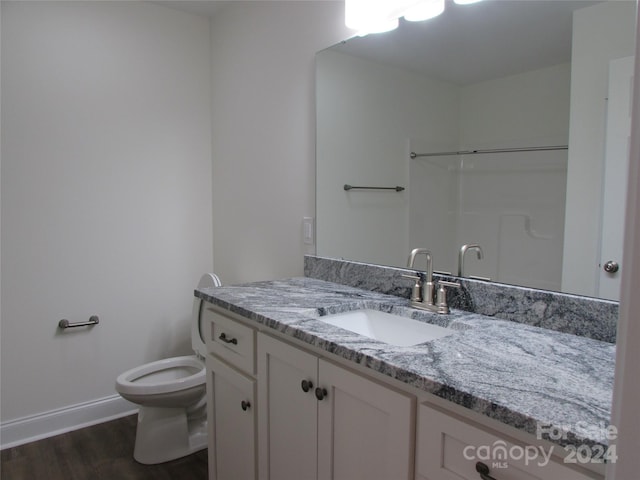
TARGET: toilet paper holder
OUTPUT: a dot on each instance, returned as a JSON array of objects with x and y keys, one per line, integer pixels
[{"x": 64, "y": 323}]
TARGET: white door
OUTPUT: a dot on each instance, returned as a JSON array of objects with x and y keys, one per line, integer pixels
[
  {"x": 233, "y": 396},
  {"x": 616, "y": 166},
  {"x": 287, "y": 428},
  {"x": 364, "y": 428}
]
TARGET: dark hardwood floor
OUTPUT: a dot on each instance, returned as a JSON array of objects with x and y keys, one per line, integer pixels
[{"x": 100, "y": 452}]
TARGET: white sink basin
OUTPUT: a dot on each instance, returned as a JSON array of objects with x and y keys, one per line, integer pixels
[{"x": 386, "y": 327}]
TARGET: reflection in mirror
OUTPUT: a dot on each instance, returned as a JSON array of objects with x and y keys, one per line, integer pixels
[{"x": 494, "y": 75}]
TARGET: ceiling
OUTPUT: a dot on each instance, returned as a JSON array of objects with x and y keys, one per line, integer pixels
[
  {"x": 466, "y": 44},
  {"x": 472, "y": 43},
  {"x": 198, "y": 7}
]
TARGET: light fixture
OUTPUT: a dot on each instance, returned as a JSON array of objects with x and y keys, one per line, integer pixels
[
  {"x": 377, "y": 16},
  {"x": 372, "y": 16},
  {"x": 424, "y": 10}
]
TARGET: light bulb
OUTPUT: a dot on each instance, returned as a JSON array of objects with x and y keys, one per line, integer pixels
[
  {"x": 369, "y": 16},
  {"x": 424, "y": 10}
]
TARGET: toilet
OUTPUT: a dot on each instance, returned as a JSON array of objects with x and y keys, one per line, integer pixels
[{"x": 172, "y": 419}]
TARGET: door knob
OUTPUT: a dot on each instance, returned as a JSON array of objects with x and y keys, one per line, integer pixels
[
  {"x": 321, "y": 393},
  {"x": 611, "y": 267}
]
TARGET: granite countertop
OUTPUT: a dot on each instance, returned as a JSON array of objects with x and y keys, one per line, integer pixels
[{"x": 534, "y": 379}]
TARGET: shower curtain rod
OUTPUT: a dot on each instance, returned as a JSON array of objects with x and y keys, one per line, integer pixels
[{"x": 495, "y": 150}]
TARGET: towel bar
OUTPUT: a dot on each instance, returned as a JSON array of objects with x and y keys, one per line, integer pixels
[
  {"x": 351, "y": 187},
  {"x": 64, "y": 323}
]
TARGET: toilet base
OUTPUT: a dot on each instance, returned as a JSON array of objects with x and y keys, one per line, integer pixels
[{"x": 164, "y": 434}]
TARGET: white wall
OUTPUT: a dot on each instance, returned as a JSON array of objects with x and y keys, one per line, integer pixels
[
  {"x": 600, "y": 33},
  {"x": 513, "y": 203},
  {"x": 530, "y": 108},
  {"x": 434, "y": 201},
  {"x": 106, "y": 193},
  {"x": 367, "y": 114},
  {"x": 484, "y": 199},
  {"x": 264, "y": 130}
]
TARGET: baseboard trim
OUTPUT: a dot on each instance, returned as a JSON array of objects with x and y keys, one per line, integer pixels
[{"x": 48, "y": 424}]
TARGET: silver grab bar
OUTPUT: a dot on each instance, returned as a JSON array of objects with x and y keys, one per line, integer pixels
[
  {"x": 64, "y": 323},
  {"x": 351, "y": 187}
]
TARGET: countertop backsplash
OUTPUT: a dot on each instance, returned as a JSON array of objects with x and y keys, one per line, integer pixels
[{"x": 579, "y": 315}]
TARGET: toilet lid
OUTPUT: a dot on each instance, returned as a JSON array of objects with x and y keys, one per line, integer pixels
[{"x": 208, "y": 280}]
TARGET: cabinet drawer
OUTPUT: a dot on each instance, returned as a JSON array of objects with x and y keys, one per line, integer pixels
[
  {"x": 230, "y": 340},
  {"x": 448, "y": 449}
]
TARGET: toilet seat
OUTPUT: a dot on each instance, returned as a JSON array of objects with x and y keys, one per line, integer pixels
[{"x": 166, "y": 375}]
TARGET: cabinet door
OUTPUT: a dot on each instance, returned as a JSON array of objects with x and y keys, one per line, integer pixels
[
  {"x": 232, "y": 452},
  {"x": 365, "y": 430},
  {"x": 449, "y": 448},
  {"x": 287, "y": 413}
]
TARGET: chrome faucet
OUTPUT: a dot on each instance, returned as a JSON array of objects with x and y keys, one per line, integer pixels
[
  {"x": 412, "y": 258},
  {"x": 417, "y": 251},
  {"x": 427, "y": 285},
  {"x": 423, "y": 288},
  {"x": 463, "y": 251}
]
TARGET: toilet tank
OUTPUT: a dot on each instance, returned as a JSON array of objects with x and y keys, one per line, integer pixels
[{"x": 208, "y": 280}]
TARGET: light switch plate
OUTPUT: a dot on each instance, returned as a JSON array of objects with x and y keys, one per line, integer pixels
[{"x": 308, "y": 230}]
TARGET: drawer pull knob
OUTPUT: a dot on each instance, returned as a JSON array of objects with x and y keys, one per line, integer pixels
[
  {"x": 321, "y": 393},
  {"x": 483, "y": 470},
  {"x": 306, "y": 385},
  {"x": 224, "y": 338},
  {"x": 245, "y": 405}
]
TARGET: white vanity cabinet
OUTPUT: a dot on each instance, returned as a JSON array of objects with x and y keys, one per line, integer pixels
[
  {"x": 231, "y": 397},
  {"x": 321, "y": 421},
  {"x": 278, "y": 411},
  {"x": 448, "y": 448}
]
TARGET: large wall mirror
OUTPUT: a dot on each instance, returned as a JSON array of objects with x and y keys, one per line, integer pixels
[{"x": 518, "y": 113}]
